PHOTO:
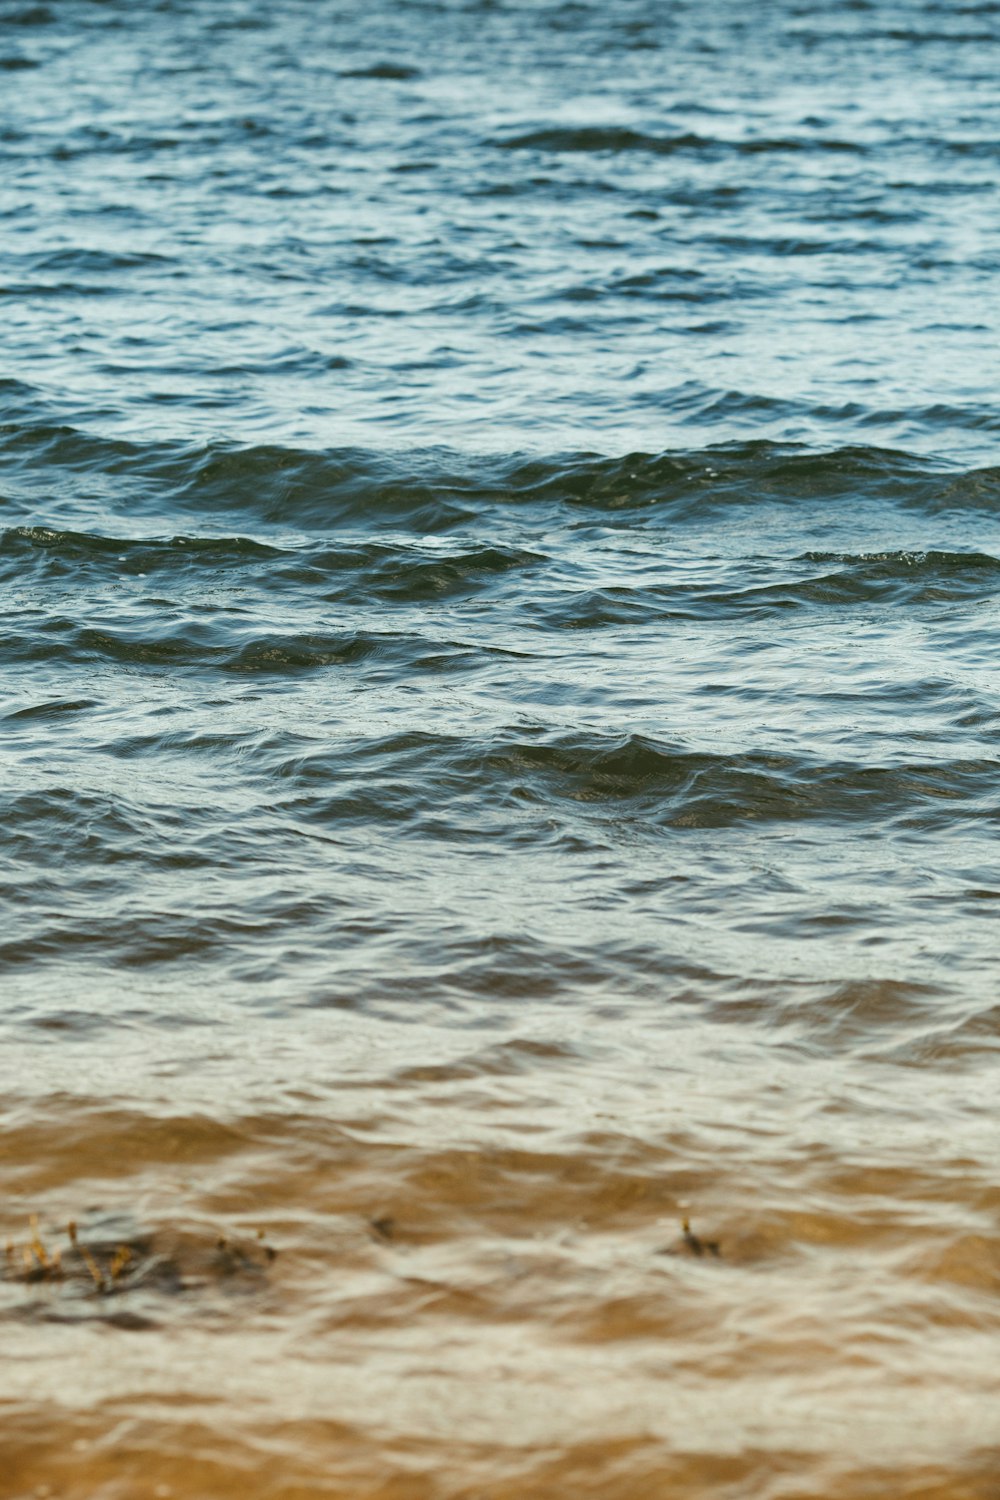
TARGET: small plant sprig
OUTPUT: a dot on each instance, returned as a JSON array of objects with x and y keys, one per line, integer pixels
[
  {"x": 35, "y": 1261},
  {"x": 696, "y": 1244}
]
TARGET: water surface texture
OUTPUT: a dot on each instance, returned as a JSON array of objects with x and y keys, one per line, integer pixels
[{"x": 500, "y": 567}]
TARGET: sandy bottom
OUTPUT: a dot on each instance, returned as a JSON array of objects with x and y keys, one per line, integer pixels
[{"x": 468, "y": 1279}]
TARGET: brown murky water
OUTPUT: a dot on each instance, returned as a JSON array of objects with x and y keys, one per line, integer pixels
[{"x": 481, "y": 1287}]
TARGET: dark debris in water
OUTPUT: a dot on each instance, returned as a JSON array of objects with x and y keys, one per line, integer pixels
[
  {"x": 99, "y": 1266},
  {"x": 693, "y": 1244},
  {"x": 383, "y": 1229}
]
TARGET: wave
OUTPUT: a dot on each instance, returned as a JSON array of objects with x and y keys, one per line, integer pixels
[
  {"x": 541, "y": 784},
  {"x": 165, "y": 636},
  {"x": 433, "y": 489},
  {"x": 405, "y": 574},
  {"x": 436, "y": 489},
  {"x": 399, "y": 572},
  {"x": 65, "y": 550},
  {"x": 359, "y": 572},
  {"x": 904, "y": 578},
  {"x": 542, "y": 789}
]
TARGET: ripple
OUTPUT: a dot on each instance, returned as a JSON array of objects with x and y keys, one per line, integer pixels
[{"x": 434, "y": 489}]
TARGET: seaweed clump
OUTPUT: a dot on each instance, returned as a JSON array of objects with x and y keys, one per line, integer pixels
[{"x": 103, "y": 1267}]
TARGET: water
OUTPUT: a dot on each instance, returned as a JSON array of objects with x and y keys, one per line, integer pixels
[{"x": 500, "y": 561}]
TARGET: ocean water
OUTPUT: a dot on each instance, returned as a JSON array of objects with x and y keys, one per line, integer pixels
[{"x": 500, "y": 744}]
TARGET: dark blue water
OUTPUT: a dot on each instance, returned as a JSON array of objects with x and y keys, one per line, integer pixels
[{"x": 501, "y": 550}]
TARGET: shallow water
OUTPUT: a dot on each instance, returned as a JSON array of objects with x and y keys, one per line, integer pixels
[{"x": 500, "y": 553}]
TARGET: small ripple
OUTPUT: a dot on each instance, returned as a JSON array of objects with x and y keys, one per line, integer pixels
[
  {"x": 30, "y": 16},
  {"x": 78, "y": 261},
  {"x": 64, "y": 553},
  {"x": 52, "y": 708},
  {"x": 617, "y": 139},
  {"x": 405, "y": 574},
  {"x": 171, "y": 640},
  {"x": 391, "y": 72},
  {"x": 903, "y": 578}
]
